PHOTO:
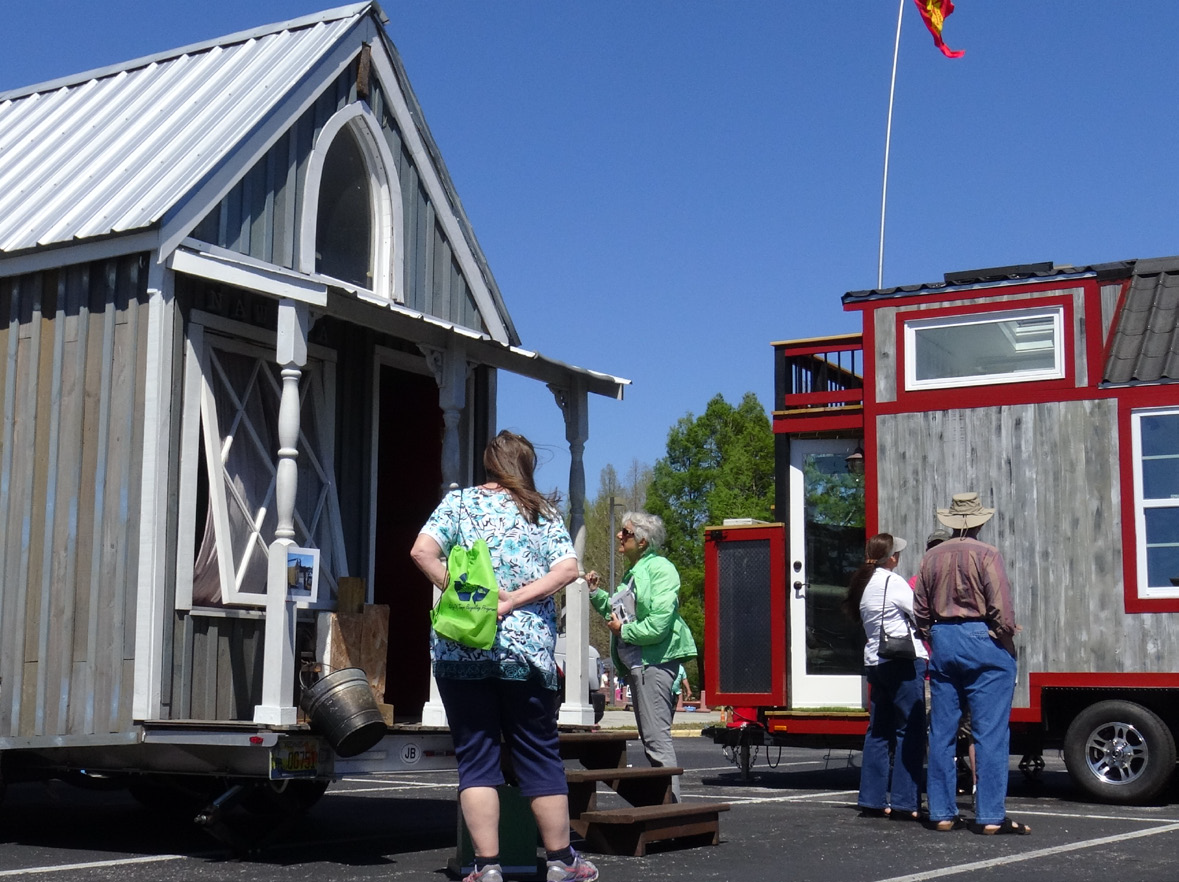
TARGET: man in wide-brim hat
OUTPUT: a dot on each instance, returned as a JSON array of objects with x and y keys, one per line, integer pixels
[
  {"x": 965, "y": 512},
  {"x": 962, "y": 603}
]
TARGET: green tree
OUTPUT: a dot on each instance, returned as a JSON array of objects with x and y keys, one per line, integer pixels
[{"x": 718, "y": 465}]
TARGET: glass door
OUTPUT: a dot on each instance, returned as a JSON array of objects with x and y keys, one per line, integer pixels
[{"x": 826, "y": 545}]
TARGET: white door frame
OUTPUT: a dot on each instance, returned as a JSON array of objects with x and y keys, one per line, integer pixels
[{"x": 810, "y": 690}]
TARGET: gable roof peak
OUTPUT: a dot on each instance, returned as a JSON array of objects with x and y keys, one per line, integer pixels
[{"x": 339, "y": 13}]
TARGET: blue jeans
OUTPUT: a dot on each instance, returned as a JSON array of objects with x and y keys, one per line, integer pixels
[
  {"x": 968, "y": 666},
  {"x": 896, "y": 725}
]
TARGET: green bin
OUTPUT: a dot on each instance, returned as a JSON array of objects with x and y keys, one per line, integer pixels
[{"x": 518, "y": 838}]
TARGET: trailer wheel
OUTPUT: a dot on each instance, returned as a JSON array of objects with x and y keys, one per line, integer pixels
[{"x": 1119, "y": 751}]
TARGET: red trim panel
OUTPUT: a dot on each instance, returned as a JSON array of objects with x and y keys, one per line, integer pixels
[
  {"x": 837, "y": 422},
  {"x": 1037, "y": 683},
  {"x": 775, "y": 537},
  {"x": 817, "y": 725}
]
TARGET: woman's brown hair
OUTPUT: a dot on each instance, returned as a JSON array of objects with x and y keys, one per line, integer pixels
[
  {"x": 878, "y": 548},
  {"x": 510, "y": 460}
]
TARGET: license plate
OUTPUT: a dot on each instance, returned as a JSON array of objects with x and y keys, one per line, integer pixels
[{"x": 294, "y": 758}]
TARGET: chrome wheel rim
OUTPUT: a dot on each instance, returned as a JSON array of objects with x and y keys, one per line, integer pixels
[{"x": 1116, "y": 753}]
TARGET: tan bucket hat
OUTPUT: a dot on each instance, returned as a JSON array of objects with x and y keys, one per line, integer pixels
[{"x": 965, "y": 512}]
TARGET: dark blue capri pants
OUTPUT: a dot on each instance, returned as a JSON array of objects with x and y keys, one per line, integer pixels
[{"x": 521, "y": 713}]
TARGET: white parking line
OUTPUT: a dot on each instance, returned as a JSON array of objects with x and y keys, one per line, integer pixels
[
  {"x": 389, "y": 788},
  {"x": 90, "y": 865},
  {"x": 799, "y": 797},
  {"x": 1030, "y": 855}
]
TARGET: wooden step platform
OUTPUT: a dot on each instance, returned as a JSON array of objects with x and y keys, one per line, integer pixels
[
  {"x": 630, "y": 830},
  {"x": 651, "y": 816},
  {"x": 638, "y": 786},
  {"x": 603, "y": 749}
]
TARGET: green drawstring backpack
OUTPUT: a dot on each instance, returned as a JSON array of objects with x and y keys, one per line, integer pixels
[{"x": 466, "y": 611}]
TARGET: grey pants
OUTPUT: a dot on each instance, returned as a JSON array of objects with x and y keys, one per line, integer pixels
[{"x": 650, "y": 690}]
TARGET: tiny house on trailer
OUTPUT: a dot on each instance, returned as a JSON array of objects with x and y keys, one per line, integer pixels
[
  {"x": 1052, "y": 391},
  {"x": 246, "y": 326}
]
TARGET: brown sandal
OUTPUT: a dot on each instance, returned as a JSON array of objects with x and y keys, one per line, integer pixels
[
  {"x": 955, "y": 823},
  {"x": 1005, "y": 827}
]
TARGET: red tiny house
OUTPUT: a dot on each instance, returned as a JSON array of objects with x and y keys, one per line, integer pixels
[{"x": 1054, "y": 393}]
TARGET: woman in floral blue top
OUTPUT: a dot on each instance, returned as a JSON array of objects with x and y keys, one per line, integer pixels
[{"x": 508, "y": 692}]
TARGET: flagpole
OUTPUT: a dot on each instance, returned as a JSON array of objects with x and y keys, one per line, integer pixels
[{"x": 887, "y": 143}]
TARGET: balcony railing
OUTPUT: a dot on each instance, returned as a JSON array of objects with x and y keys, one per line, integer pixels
[{"x": 822, "y": 375}]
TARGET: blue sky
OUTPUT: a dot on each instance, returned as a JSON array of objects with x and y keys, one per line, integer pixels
[{"x": 664, "y": 188}]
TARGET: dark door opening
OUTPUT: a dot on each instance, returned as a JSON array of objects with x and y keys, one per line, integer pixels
[{"x": 409, "y": 479}]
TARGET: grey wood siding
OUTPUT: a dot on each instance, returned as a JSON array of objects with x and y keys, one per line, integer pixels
[
  {"x": 71, "y": 412},
  {"x": 1051, "y": 471},
  {"x": 260, "y": 216},
  {"x": 885, "y": 342},
  {"x": 217, "y": 666},
  {"x": 1110, "y": 296}
]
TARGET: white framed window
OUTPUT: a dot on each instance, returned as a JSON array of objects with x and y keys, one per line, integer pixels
[
  {"x": 1155, "y": 438},
  {"x": 1010, "y": 346},
  {"x": 352, "y": 226},
  {"x": 229, "y": 463}
]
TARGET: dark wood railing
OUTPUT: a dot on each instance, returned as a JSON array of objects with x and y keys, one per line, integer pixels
[{"x": 819, "y": 375}]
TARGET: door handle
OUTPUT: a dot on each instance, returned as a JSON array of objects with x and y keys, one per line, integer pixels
[{"x": 798, "y": 588}]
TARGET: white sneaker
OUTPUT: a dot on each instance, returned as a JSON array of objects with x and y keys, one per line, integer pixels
[{"x": 490, "y": 873}]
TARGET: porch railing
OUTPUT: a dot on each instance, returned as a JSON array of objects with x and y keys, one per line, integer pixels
[{"x": 820, "y": 375}]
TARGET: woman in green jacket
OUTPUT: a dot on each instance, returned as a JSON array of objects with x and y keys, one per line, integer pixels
[{"x": 648, "y": 639}]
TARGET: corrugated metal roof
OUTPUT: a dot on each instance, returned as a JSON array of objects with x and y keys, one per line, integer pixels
[
  {"x": 112, "y": 150},
  {"x": 994, "y": 278},
  {"x": 1144, "y": 347}
]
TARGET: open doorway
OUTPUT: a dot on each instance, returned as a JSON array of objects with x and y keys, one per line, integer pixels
[{"x": 408, "y": 479}]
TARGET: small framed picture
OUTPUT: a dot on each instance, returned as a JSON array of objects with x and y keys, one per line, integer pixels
[{"x": 303, "y": 576}]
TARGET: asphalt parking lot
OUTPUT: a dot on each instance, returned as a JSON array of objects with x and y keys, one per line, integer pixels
[{"x": 794, "y": 820}]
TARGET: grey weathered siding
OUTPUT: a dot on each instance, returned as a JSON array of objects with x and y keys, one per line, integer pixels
[
  {"x": 260, "y": 216},
  {"x": 71, "y": 413},
  {"x": 217, "y": 666},
  {"x": 1051, "y": 471}
]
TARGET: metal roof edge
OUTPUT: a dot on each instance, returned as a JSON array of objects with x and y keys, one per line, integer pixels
[
  {"x": 1065, "y": 274},
  {"x": 513, "y": 358},
  {"x": 340, "y": 12},
  {"x": 456, "y": 204}
]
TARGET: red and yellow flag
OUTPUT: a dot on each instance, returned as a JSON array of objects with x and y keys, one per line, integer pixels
[{"x": 935, "y": 13}]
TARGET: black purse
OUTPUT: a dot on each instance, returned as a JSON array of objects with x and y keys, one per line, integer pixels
[{"x": 894, "y": 647}]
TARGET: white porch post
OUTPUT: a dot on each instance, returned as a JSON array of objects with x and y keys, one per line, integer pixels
[
  {"x": 278, "y": 666},
  {"x": 450, "y": 372},
  {"x": 576, "y": 710}
]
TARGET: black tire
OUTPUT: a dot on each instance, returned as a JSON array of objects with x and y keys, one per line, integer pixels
[{"x": 1119, "y": 752}]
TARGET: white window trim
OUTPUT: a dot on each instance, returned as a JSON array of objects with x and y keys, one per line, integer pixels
[
  {"x": 1141, "y": 504},
  {"x": 388, "y": 252},
  {"x": 247, "y": 339},
  {"x": 1056, "y": 372}
]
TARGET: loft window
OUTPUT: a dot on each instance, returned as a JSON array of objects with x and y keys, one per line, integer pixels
[
  {"x": 344, "y": 224},
  {"x": 1155, "y": 438},
  {"x": 994, "y": 347}
]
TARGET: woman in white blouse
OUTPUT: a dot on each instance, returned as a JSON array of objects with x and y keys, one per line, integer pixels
[{"x": 896, "y": 722}]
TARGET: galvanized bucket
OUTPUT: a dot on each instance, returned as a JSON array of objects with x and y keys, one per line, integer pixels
[{"x": 340, "y": 707}]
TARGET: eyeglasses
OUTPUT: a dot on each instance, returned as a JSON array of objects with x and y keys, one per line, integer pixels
[{"x": 625, "y": 533}]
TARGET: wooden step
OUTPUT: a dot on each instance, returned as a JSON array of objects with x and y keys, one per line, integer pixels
[
  {"x": 630, "y": 830},
  {"x": 645, "y": 785},
  {"x": 604, "y": 749}
]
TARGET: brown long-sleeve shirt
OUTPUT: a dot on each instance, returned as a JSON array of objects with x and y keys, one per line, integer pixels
[{"x": 963, "y": 579}]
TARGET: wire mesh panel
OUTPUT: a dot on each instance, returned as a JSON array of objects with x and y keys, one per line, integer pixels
[{"x": 745, "y": 664}]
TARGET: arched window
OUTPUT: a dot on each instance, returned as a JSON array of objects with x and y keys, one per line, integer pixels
[
  {"x": 344, "y": 222},
  {"x": 351, "y": 228}
]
